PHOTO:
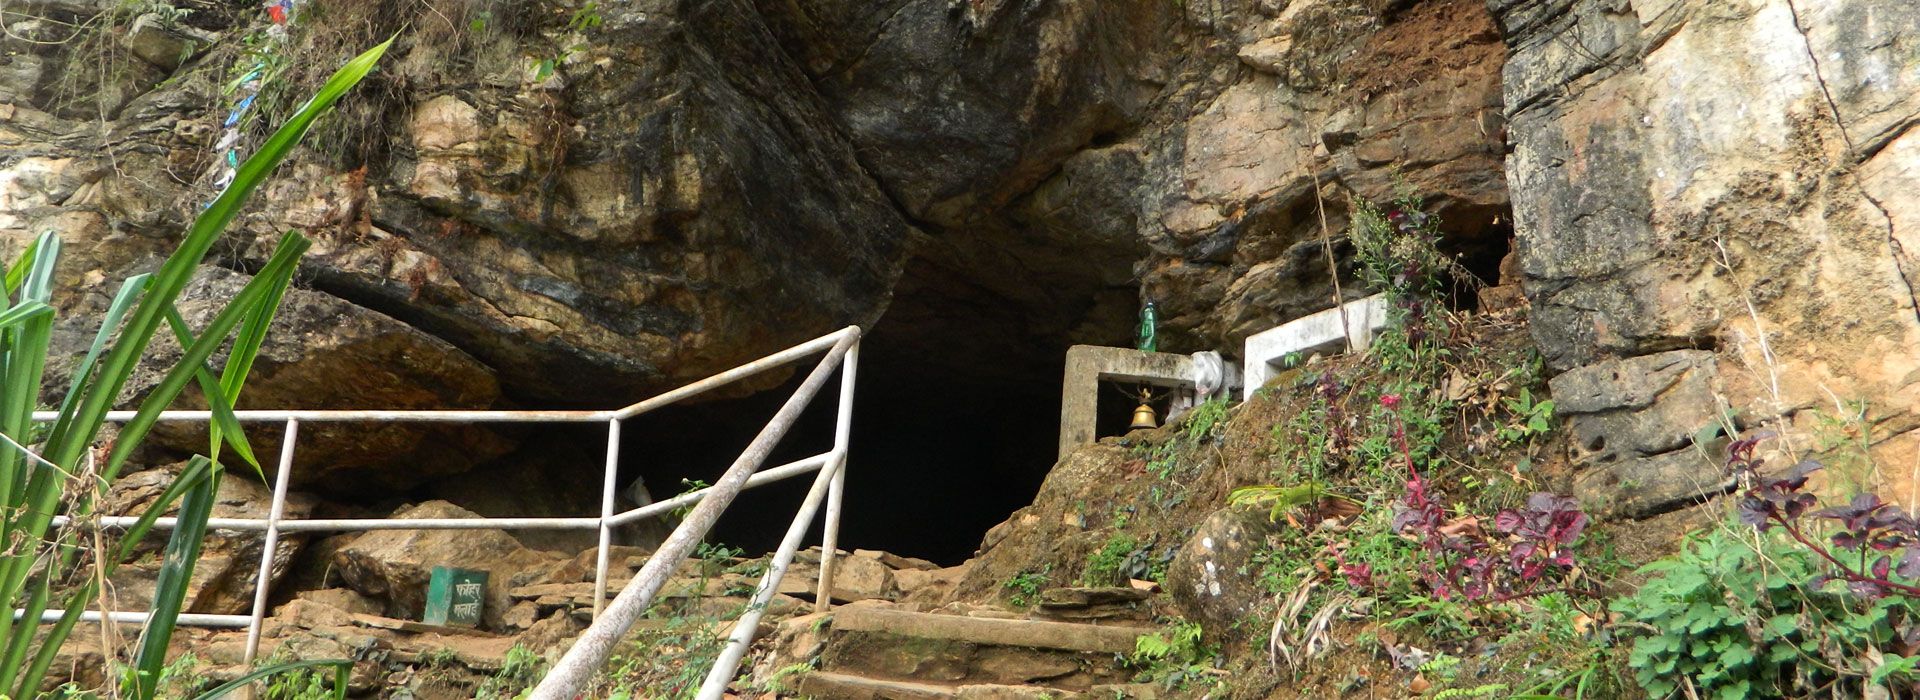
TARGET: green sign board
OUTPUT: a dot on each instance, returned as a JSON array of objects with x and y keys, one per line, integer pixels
[{"x": 455, "y": 597}]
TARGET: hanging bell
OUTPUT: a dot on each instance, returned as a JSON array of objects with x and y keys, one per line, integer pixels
[{"x": 1143, "y": 418}]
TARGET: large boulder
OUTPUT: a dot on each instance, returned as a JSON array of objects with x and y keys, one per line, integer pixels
[
  {"x": 394, "y": 565},
  {"x": 1206, "y": 578}
]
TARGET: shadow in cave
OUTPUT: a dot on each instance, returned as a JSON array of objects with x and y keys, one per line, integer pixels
[{"x": 956, "y": 413}]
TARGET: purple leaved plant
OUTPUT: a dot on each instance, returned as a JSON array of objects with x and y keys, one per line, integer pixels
[
  {"x": 1880, "y": 538},
  {"x": 1534, "y": 551}
]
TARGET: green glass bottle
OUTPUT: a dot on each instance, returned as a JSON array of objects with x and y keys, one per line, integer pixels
[{"x": 1149, "y": 340}]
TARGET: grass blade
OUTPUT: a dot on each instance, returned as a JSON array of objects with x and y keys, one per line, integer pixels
[
  {"x": 26, "y": 338},
  {"x": 17, "y": 645},
  {"x": 196, "y": 471},
  {"x": 23, "y": 312},
  {"x": 176, "y": 572},
  {"x": 17, "y": 272},
  {"x": 253, "y": 334},
  {"x": 226, "y": 427},
  {"x": 130, "y": 291},
  {"x": 43, "y": 659},
  {"x": 341, "y": 667}
]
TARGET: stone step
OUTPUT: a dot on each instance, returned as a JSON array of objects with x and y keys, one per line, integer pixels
[
  {"x": 1038, "y": 634},
  {"x": 890, "y": 644},
  {"x": 824, "y": 685},
  {"x": 840, "y": 686}
]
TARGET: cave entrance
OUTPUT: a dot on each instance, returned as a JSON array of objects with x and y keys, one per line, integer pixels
[{"x": 955, "y": 424}]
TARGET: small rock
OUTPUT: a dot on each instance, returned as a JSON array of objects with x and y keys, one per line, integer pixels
[
  {"x": 343, "y": 599},
  {"x": 164, "y": 43},
  {"x": 1203, "y": 578}
]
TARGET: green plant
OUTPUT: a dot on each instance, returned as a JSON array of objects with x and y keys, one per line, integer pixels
[
  {"x": 777, "y": 684},
  {"x": 665, "y": 660},
  {"x": 1531, "y": 418},
  {"x": 583, "y": 20},
  {"x": 66, "y": 473},
  {"x": 1024, "y": 588},
  {"x": 1731, "y": 617},
  {"x": 298, "y": 684},
  {"x": 1104, "y": 567},
  {"x": 1204, "y": 419},
  {"x": 518, "y": 672},
  {"x": 1174, "y": 657},
  {"x": 1276, "y": 499}
]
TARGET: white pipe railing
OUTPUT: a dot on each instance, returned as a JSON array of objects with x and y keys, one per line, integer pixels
[
  {"x": 841, "y": 348},
  {"x": 575, "y": 670}
]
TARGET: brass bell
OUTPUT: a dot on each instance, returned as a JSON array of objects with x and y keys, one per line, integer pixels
[{"x": 1143, "y": 418}]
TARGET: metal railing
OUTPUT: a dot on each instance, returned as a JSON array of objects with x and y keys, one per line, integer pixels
[{"x": 610, "y": 623}]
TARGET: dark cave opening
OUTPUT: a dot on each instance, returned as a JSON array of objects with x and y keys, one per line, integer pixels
[
  {"x": 936, "y": 458},
  {"x": 956, "y": 414},
  {"x": 955, "y": 424}
]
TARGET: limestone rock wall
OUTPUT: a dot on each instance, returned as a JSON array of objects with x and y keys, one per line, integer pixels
[
  {"x": 1731, "y": 176},
  {"x": 1713, "y": 199}
]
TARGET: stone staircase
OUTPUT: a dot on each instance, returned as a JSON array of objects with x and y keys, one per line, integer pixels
[{"x": 1071, "y": 643}]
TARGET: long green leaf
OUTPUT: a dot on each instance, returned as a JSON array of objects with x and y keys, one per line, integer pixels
[
  {"x": 25, "y": 361},
  {"x": 17, "y": 646},
  {"x": 23, "y": 312},
  {"x": 17, "y": 272},
  {"x": 130, "y": 291},
  {"x": 282, "y": 263},
  {"x": 196, "y": 471},
  {"x": 43, "y": 659},
  {"x": 226, "y": 426},
  {"x": 176, "y": 572},
  {"x": 341, "y": 669},
  {"x": 253, "y": 334}
]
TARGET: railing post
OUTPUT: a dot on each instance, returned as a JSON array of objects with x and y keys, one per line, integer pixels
[
  {"x": 714, "y": 686},
  {"x": 842, "y": 432},
  {"x": 271, "y": 545},
  {"x": 570, "y": 675},
  {"x": 606, "y": 516}
]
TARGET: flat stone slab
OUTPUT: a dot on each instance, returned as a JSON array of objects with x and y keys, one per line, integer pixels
[
  {"x": 1036, "y": 634},
  {"x": 840, "y": 686},
  {"x": 1348, "y": 327}
]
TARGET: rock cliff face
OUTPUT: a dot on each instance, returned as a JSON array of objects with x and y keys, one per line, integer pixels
[
  {"x": 1713, "y": 202},
  {"x": 569, "y": 204}
]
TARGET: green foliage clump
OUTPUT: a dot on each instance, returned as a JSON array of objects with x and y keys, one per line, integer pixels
[
  {"x": 1531, "y": 418},
  {"x": 1174, "y": 658},
  {"x": 1728, "y": 617},
  {"x": 64, "y": 472},
  {"x": 1104, "y": 568},
  {"x": 1024, "y": 588},
  {"x": 518, "y": 672}
]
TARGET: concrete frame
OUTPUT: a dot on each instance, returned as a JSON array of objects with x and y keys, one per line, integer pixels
[
  {"x": 1088, "y": 365},
  {"x": 1348, "y": 327}
]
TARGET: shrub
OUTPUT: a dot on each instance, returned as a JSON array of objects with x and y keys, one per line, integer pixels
[{"x": 1729, "y": 617}]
